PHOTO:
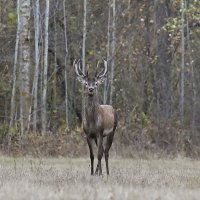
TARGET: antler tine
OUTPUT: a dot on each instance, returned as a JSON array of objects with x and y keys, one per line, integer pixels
[
  {"x": 75, "y": 64},
  {"x": 97, "y": 65},
  {"x": 96, "y": 73},
  {"x": 104, "y": 70},
  {"x": 78, "y": 69}
]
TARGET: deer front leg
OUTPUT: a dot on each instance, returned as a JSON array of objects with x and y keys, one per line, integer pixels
[
  {"x": 99, "y": 155},
  {"x": 89, "y": 141},
  {"x": 107, "y": 148}
]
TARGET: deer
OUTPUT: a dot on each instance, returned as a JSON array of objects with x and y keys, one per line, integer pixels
[{"x": 99, "y": 121}]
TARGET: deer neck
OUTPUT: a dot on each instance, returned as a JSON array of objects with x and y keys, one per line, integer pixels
[{"x": 91, "y": 108}]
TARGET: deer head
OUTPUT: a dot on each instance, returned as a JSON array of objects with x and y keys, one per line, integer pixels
[{"x": 90, "y": 84}]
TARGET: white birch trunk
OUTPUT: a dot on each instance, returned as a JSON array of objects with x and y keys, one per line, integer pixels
[
  {"x": 105, "y": 91},
  {"x": 182, "y": 95},
  {"x": 113, "y": 52},
  {"x": 66, "y": 56},
  {"x": 44, "y": 93},
  {"x": 84, "y": 34},
  {"x": 83, "y": 48},
  {"x": 36, "y": 75},
  {"x": 25, "y": 8},
  {"x": 12, "y": 109}
]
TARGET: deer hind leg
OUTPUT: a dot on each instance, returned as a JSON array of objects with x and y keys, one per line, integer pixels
[
  {"x": 99, "y": 155},
  {"x": 107, "y": 148},
  {"x": 89, "y": 141}
]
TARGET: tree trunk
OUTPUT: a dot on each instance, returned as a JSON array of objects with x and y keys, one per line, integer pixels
[
  {"x": 66, "y": 56},
  {"x": 113, "y": 53},
  {"x": 25, "y": 9},
  {"x": 55, "y": 64},
  {"x": 83, "y": 48},
  {"x": 12, "y": 109},
  {"x": 45, "y": 73},
  {"x": 194, "y": 88},
  {"x": 161, "y": 68},
  {"x": 182, "y": 88},
  {"x": 36, "y": 75},
  {"x": 84, "y": 34},
  {"x": 106, "y": 83}
]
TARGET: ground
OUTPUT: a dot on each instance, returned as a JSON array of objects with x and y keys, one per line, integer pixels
[{"x": 65, "y": 178}]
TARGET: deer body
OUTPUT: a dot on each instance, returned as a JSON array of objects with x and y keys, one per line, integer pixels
[{"x": 99, "y": 121}]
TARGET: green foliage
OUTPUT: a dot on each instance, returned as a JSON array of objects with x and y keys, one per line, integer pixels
[
  {"x": 192, "y": 11},
  {"x": 172, "y": 25},
  {"x": 90, "y": 52},
  {"x": 12, "y": 18},
  {"x": 145, "y": 119},
  {"x": 72, "y": 24},
  {"x": 192, "y": 15}
]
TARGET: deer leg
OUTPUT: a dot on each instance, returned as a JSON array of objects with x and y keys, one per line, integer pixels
[
  {"x": 107, "y": 148},
  {"x": 95, "y": 139},
  {"x": 97, "y": 169},
  {"x": 99, "y": 156},
  {"x": 89, "y": 141}
]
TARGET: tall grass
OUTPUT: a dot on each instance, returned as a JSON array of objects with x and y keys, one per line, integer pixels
[{"x": 60, "y": 178}]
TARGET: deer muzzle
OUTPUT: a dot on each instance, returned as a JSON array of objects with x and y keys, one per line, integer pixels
[{"x": 90, "y": 91}]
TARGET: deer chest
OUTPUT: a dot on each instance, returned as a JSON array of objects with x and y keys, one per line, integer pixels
[{"x": 93, "y": 126}]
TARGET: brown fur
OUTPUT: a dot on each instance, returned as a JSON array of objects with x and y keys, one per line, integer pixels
[{"x": 108, "y": 115}]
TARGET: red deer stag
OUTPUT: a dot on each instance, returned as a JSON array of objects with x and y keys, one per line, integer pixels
[{"x": 99, "y": 121}]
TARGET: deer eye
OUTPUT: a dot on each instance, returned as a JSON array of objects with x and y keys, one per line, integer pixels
[
  {"x": 86, "y": 84},
  {"x": 96, "y": 84}
]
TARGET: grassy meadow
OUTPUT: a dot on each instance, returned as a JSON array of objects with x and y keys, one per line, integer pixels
[{"x": 66, "y": 178}]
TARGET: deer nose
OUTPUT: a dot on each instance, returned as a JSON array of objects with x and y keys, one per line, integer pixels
[{"x": 91, "y": 89}]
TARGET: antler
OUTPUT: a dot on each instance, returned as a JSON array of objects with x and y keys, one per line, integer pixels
[
  {"x": 104, "y": 71},
  {"x": 77, "y": 65}
]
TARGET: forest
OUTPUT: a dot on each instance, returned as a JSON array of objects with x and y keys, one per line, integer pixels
[{"x": 152, "y": 49}]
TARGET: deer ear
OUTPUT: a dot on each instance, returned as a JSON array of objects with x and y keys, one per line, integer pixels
[
  {"x": 83, "y": 79},
  {"x": 101, "y": 80}
]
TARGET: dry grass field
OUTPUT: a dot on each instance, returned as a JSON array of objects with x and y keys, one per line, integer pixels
[{"x": 64, "y": 178}]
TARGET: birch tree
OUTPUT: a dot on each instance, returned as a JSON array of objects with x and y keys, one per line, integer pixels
[
  {"x": 113, "y": 51},
  {"x": 66, "y": 56},
  {"x": 24, "y": 62},
  {"x": 182, "y": 91},
  {"x": 36, "y": 75},
  {"x": 84, "y": 33},
  {"x": 105, "y": 91},
  {"x": 13, "y": 96},
  {"x": 83, "y": 45},
  {"x": 55, "y": 64},
  {"x": 44, "y": 93}
]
